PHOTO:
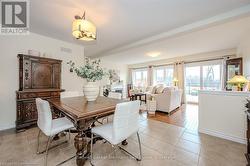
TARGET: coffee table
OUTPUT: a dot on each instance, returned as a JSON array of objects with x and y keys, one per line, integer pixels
[{"x": 135, "y": 97}]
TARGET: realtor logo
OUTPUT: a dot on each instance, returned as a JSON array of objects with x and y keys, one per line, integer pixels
[{"x": 14, "y": 18}]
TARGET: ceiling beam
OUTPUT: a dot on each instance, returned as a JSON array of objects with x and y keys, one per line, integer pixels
[{"x": 221, "y": 18}]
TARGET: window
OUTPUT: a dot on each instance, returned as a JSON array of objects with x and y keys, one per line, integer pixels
[
  {"x": 139, "y": 77},
  {"x": 164, "y": 75},
  {"x": 192, "y": 83}
]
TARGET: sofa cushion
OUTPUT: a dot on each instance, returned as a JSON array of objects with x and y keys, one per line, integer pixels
[
  {"x": 153, "y": 90},
  {"x": 169, "y": 88},
  {"x": 149, "y": 89}
]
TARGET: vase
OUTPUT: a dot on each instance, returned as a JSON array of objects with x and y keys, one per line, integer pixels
[{"x": 91, "y": 91}]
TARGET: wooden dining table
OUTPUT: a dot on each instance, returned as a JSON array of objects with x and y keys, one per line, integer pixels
[{"x": 83, "y": 114}]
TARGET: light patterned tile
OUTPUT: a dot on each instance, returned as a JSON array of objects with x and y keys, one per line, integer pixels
[
  {"x": 189, "y": 146},
  {"x": 162, "y": 144},
  {"x": 191, "y": 137},
  {"x": 185, "y": 157}
]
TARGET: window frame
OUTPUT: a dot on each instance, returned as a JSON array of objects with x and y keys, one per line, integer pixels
[
  {"x": 141, "y": 70},
  {"x": 164, "y": 68}
]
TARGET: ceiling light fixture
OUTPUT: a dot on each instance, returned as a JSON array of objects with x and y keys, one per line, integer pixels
[
  {"x": 83, "y": 29},
  {"x": 153, "y": 54}
]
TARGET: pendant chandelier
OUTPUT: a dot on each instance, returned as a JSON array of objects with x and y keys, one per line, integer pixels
[{"x": 83, "y": 29}]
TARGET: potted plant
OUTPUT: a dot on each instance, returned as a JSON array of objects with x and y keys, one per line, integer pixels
[{"x": 92, "y": 72}]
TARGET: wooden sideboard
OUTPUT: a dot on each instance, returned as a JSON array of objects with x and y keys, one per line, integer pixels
[{"x": 38, "y": 77}]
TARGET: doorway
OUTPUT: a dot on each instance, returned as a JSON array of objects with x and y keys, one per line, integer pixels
[{"x": 202, "y": 76}]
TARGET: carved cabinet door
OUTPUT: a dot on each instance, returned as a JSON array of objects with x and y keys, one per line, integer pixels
[
  {"x": 42, "y": 75},
  {"x": 28, "y": 111}
]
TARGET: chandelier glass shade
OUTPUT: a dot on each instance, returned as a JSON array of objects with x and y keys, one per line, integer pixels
[{"x": 83, "y": 29}]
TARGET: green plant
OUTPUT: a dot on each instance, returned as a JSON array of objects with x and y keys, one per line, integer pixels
[{"x": 91, "y": 70}]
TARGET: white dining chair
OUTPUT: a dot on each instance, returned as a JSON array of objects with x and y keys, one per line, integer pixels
[
  {"x": 50, "y": 127},
  {"x": 115, "y": 95},
  {"x": 124, "y": 125}
]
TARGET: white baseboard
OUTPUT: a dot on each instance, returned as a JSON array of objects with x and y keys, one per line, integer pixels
[
  {"x": 222, "y": 135},
  {"x": 7, "y": 126}
]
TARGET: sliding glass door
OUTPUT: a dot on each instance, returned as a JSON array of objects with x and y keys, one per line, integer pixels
[
  {"x": 192, "y": 83},
  {"x": 211, "y": 77},
  {"x": 202, "y": 76}
]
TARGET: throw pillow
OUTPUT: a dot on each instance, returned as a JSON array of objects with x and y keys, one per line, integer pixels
[
  {"x": 159, "y": 89},
  {"x": 153, "y": 90}
]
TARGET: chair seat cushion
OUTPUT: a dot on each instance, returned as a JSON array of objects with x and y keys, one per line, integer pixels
[
  {"x": 104, "y": 131},
  {"x": 60, "y": 124}
]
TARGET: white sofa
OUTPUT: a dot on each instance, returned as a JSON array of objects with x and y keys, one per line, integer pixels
[{"x": 167, "y": 98}]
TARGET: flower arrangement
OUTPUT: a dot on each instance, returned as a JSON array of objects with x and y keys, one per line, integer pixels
[{"x": 91, "y": 70}]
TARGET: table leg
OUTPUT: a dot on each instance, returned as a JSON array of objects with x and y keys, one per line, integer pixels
[
  {"x": 81, "y": 143},
  {"x": 81, "y": 148}
]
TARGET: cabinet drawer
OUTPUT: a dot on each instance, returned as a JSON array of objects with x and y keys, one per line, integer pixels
[
  {"x": 55, "y": 94},
  {"x": 43, "y": 94},
  {"x": 27, "y": 95}
]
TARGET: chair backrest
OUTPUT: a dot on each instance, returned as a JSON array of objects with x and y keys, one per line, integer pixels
[
  {"x": 126, "y": 117},
  {"x": 44, "y": 121},
  {"x": 67, "y": 94},
  {"x": 115, "y": 95}
]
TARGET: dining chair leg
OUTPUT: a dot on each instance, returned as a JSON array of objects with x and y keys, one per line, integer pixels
[
  {"x": 140, "y": 151},
  {"x": 38, "y": 142},
  {"x": 47, "y": 150},
  {"x": 69, "y": 135},
  {"x": 139, "y": 142},
  {"x": 91, "y": 149},
  {"x": 114, "y": 150}
]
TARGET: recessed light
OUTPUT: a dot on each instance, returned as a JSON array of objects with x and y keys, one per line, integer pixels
[{"x": 153, "y": 54}]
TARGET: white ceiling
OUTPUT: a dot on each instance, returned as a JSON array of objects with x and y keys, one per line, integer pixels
[
  {"x": 121, "y": 22},
  {"x": 218, "y": 37}
]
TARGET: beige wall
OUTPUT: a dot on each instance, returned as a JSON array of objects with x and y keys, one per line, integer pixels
[
  {"x": 10, "y": 46},
  {"x": 122, "y": 68}
]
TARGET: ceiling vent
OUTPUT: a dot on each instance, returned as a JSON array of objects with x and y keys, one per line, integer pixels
[{"x": 67, "y": 50}]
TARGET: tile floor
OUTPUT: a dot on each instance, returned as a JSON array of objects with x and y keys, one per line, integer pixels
[{"x": 162, "y": 144}]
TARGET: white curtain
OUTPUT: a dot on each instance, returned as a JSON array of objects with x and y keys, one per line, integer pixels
[
  {"x": 179, "y": 75},
  {"x": 129, "y": 77}
]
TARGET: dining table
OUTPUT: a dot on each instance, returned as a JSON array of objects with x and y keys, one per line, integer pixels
[{"x": 84, "y": 114}]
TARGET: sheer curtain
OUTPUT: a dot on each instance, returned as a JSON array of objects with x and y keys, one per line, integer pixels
[
  {"x": 179, "y": 75},
  {"x": 129, "y": 76}
]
